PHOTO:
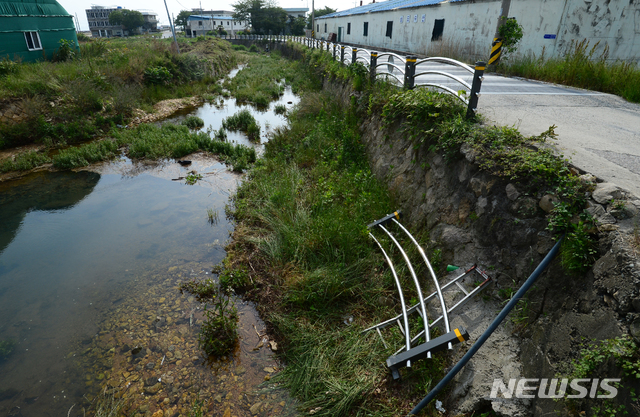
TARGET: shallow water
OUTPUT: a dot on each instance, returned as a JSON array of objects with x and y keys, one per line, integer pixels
[{"x": 90, "y": 264}]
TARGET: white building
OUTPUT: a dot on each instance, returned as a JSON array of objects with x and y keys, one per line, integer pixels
[
  {"x": 468, "y": 26},
  {"x": 98, "y": 17},
  {"x": 202, "y": 24}
]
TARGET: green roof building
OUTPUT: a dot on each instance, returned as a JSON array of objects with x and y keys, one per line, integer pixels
[{"x": 31, "y": 30}]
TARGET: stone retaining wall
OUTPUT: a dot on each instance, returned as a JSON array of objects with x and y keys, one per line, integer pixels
[{"x": 474, "y": 217}]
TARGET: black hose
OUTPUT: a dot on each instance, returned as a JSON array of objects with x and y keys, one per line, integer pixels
[{"x": 503, "y": 314}]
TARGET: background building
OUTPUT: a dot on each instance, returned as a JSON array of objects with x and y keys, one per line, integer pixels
[
  {"x": 466, "y": 27},
  {"x": 31, "y": 30},
  {"x": 98, "y": 17},
  {"x": 202, "y": 24}
]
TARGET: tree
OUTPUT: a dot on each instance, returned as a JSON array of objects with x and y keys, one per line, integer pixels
[
  {"x": 320, "y": 12},
  {"x": 265, "y": 17},
  {"x": 181, "y": 20},
  {"x": 130, "y": 19},
  {"x": 297, "y": 25}
]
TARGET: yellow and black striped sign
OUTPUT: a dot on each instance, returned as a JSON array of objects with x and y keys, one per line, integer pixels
[{"x": 496, "y": 50}]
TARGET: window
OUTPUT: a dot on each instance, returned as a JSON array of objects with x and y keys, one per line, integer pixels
[
  {"x": 389, "y": 28},
  {"x": 214, "y": 23},
  {"x": 401, "y": 17},
  {"x": 348, "y": 28},
  {"x": 199, "y": 22},
  {"x": 227, "y": 23},
  {"x": 318, "y": 27},
  {"x": 325, "y": 28},
  {"x": 366, "y": 29},
  {"x": 33, "y": 41},
  {"x": 438, "y": 28},
  {"x": 424, "y": 17},
  {"x": 415, "y": 18},
  {"x": 408, "y": 18}
]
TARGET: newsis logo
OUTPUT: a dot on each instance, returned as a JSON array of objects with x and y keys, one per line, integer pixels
[{"x": 555, "y": 388}]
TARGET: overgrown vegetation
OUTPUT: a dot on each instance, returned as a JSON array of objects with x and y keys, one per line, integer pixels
[
  {"x": 301, "y": 247},
  {"x": 581, "y": 66},
  {"x": 83, "y": 95},
  {"x": 615, "y": 358}
]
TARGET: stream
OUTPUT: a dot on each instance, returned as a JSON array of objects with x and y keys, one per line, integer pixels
[{"x": 90, "y": 267}]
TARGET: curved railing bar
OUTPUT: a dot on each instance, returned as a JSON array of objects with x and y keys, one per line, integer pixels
[
  {"x": 427, "y": 335},
  {"x": 382, "y": 74},
  {"x": 401, "y": 58},
  {"x": 445, "y": 74},
  {"x": 445, "y": 316},
  {"x": 400, "y": 69},
  {"x": 363, "y": 59},
  {"x": 447, "y": 61},
  {"x": 449, "y": 90},
  {"x": 407, "y": 336}
]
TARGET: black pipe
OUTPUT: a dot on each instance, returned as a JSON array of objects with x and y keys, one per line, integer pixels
[{"x": 503, "y": 314}]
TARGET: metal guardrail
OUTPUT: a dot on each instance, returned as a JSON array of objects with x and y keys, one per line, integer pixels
[{"x": 402, "y": 70}]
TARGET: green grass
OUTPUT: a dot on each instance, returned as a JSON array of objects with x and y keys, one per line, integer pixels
[
  {"x": 580, "y": 67},
  {"x": 243, "y": 121},
  {"x": 24, "y": 161}
]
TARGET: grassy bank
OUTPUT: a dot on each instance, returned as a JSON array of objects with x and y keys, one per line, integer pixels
[
  {"x": 102, "y": 85},
  {"x": 580, "y": 67},
  {"x": 301, "y": 247}
]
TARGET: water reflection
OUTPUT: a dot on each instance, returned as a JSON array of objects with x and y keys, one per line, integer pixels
[{"x": 64, "y": 190}]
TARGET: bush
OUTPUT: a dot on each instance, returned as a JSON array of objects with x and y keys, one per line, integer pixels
[
  {"x": 253, "y": 48},
  {"x": 240, "y": 48},
  {"x": 157, "y": 76},
  {"x": 193, "y": 122},
  {"x": 280, "y": 109},
  {"x": 7, "y": 67}
]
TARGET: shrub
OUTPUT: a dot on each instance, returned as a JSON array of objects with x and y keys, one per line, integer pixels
[
  {"x": 280, "y": 109},
  {"x": 66, "y": 51},
  {"x": 24, "y": 161},
  {"x": 193, "y": 122},
  {"x": 218, "y": 335},
  {"x": 240, "y": 48},
  {"x": 157, "y": 76},
  {"x": 253, "y": 48},
  {"x": 7, "y": 67}
]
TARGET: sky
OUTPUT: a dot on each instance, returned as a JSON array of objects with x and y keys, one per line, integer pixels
[{"x": 78, "y": 7}]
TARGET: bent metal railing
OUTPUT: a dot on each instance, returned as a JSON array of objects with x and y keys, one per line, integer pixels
[{"x": 411, "y": 351}]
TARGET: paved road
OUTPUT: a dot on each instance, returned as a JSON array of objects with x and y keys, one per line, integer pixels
[{"x": 599, "y": 133}]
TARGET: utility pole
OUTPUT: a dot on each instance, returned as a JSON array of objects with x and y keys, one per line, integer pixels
[
  {"x": 173, "y": 29},
  {"x": 496, "y": 45},
  {"x": 313, "y": 19}
]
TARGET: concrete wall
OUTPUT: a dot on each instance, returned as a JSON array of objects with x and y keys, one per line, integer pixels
[{"x": 469, "y": 27}]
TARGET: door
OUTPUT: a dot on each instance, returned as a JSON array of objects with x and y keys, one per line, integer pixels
[{"x": 339, "y": 34}]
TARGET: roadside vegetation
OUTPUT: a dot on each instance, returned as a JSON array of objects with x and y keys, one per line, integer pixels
[
  {"x": 580, "y": 67},
  {"x": 103, "y": 85}
]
